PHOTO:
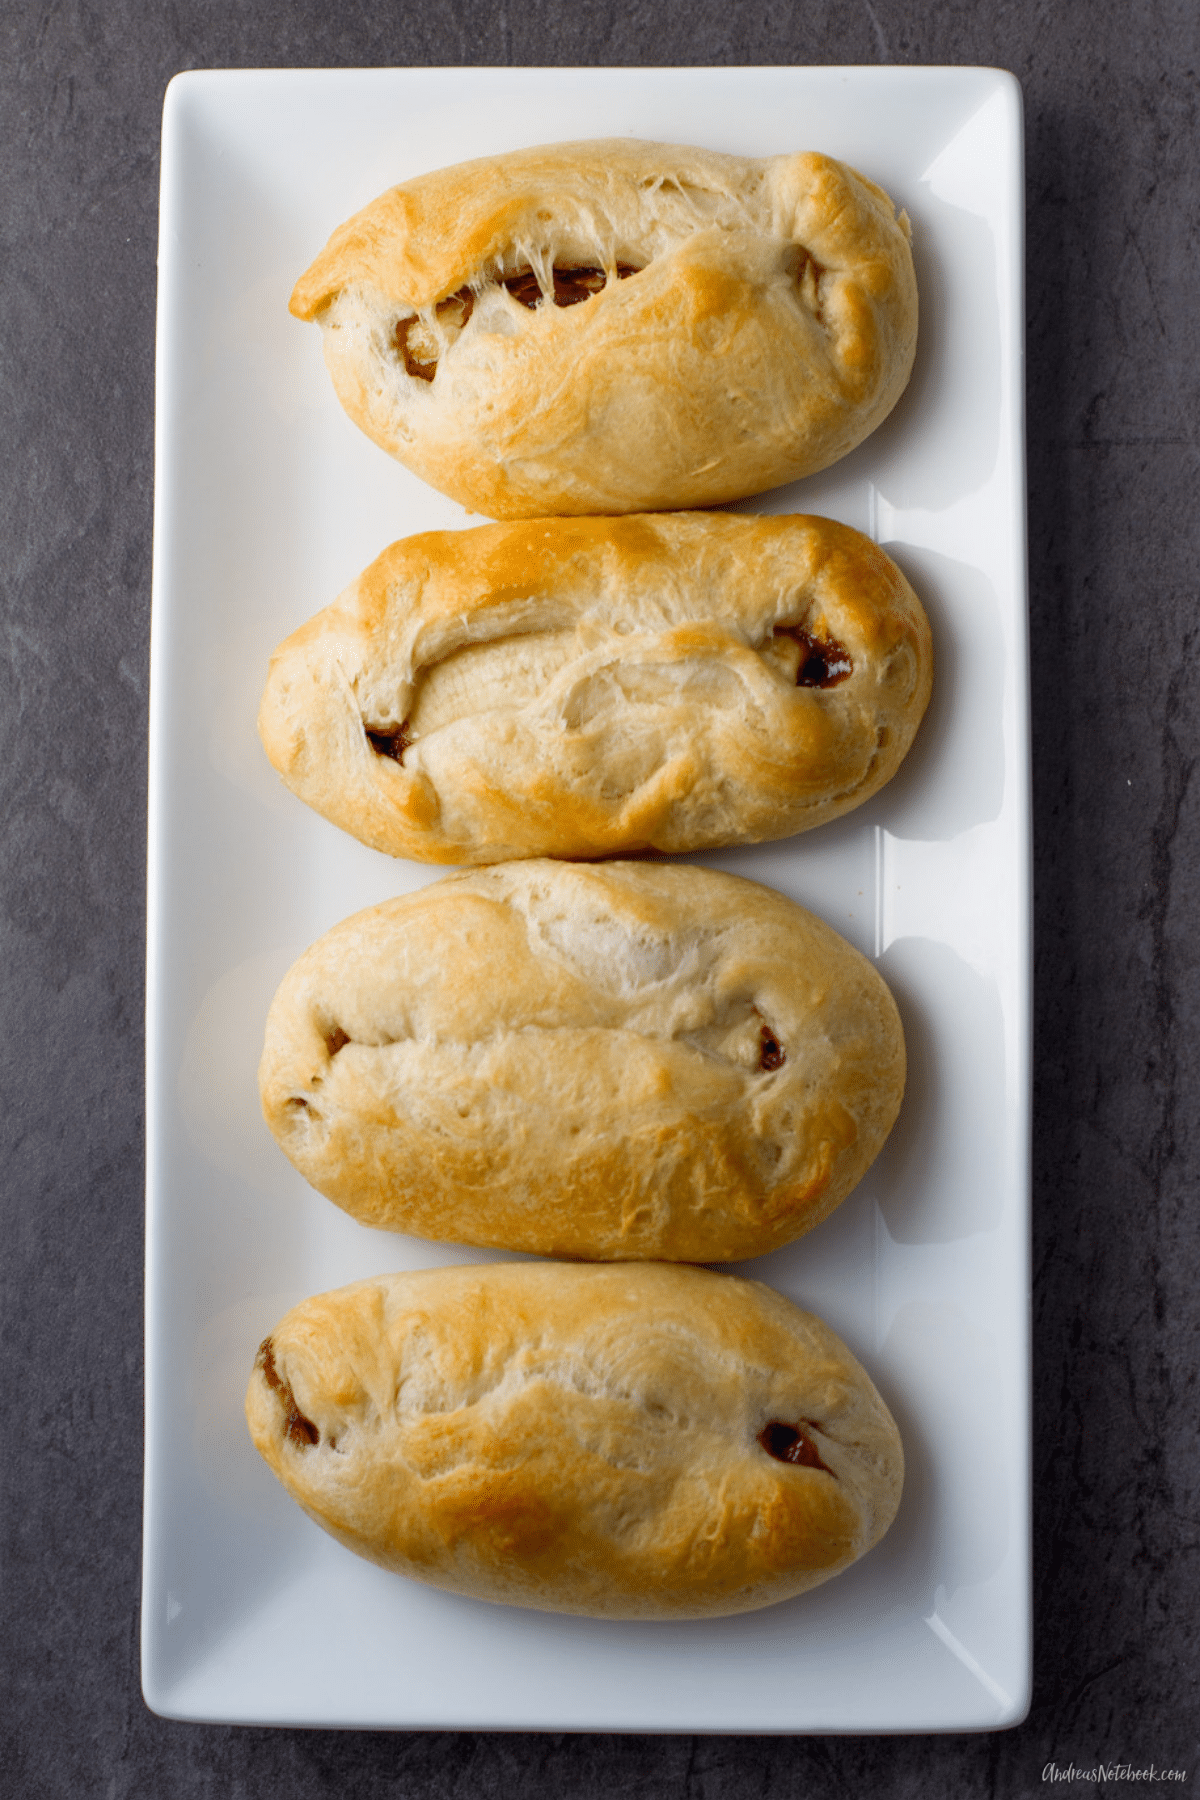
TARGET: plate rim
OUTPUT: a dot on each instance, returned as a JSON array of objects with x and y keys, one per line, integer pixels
[{"x": 178, "y": 91}]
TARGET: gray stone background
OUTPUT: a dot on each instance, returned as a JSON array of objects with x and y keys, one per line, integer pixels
[{"x": 1114, "y": 384}]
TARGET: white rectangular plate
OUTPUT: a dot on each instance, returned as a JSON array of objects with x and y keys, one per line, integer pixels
[{"x": 268, "y": 502}]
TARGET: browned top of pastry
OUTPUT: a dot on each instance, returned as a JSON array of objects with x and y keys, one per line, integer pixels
[
  {"x": 587, "y": 687},
  {"x": 606, "y": 1061},
  {"x": 618, "y": 326},
  {"x": 629, "y": 1442}
]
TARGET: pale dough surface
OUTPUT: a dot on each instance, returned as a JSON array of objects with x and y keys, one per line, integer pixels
[
  {"x": 578, "y": 1439},
  {"x": 612, "y": 1061},
  {"x": 590, "y": 687},
  {"x": 769, "y": 327}
]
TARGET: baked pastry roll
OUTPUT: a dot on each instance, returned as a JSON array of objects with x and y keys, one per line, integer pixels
[
  {"x": 614, "y": 1061},
  {"x": 634, "y": 1442},
  {"x": 618, "y": 326},
  {"x": 585, "y": 687}
]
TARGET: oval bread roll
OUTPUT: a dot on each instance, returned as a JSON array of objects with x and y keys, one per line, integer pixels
[
  {"x": 629, "y": 1060},
  {"x": 617, "y": 326},
  {"x": 585, "y": 687},
  {"x": 636, "y": 1442}
]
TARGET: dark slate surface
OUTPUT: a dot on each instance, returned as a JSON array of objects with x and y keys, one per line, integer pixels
[{"x": 1114, "y": 386}]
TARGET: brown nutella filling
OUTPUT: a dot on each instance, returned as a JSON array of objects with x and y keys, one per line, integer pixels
[
  {"x": 772, "y": 1054},
  {"x": 302, "y": 1431},
  {"x": 823, "y": 661},
  {"x": 570, "y": 285},
  {"x": 453, "y": 312},
  {"x": 389, "y": 743},
  {"x": 425, "y": 371},
  {"x": 416, "y": 344},
  {"x": 792, "y": 1444}
]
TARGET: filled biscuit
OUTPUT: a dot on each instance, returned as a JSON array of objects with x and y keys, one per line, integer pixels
[
  {"x": 633, "y": 1442},
  {"x": 591, "y": 687},
  {"x": 618, "y": 326},
  {"x": 629, "y": 1060}
]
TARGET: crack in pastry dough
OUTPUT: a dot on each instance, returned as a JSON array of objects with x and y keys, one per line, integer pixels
[
  {"x": 568, "y": 287},
  {"x": 422, "y": 338},
  {"x": 736, "y": 1036},
  {"x": 793, "y": 1444},
  {"x": 501, "y": 673},
  {"x": 389, "y": 743},
  {"x": 508, "y": 673},
  {"x": 296, "y": 1426},
  {"x": 814, "y": 661}
]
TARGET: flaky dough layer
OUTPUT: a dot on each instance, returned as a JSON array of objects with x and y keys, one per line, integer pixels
[
  {"x": 588, "y": 687},
  {"x": 629, "y": 1060},
  {"x": 617, "y": 326},
  {"x": 636, "y": 1442}
]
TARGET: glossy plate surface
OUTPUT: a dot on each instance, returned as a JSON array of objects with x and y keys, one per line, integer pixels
[{"x": 268, "y": 501}]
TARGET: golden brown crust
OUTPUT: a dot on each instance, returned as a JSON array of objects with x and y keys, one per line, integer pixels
[
  {"x": 757, "y": 321},
  {"x": 591, "y": 687},
  {"x": 579, "y": 1440},
  {"x": 610, "y": 1062}
]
